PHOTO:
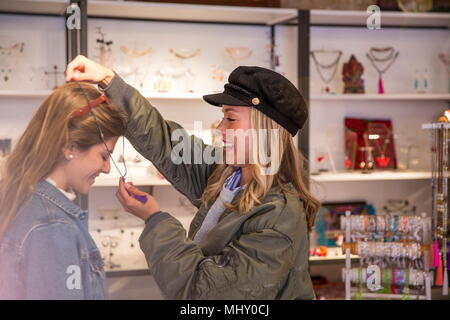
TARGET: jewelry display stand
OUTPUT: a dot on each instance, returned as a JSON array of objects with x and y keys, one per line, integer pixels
[
  {"x": 439, "y": 133},
  {"x": 390, "y": 268}
]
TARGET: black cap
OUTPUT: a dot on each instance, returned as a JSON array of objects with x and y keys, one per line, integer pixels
[{"x": 267, "y": 91}]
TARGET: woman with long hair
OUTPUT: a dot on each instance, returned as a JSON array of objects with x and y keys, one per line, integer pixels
[
  {"x": 46, "y": 251},
  {"x": 249, "y": 239}
]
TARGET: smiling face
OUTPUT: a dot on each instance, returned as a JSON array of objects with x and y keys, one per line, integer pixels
[
  {"x": 81, "y": 170},
  {"x": 236, "y": 143}
]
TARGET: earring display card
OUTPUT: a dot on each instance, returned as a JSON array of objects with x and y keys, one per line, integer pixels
[{"x": 374, "y": 142}]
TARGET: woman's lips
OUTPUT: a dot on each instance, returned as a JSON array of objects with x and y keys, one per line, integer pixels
[{"x": 93, "y": 177}]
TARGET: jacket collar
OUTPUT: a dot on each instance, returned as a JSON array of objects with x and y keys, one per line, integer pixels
[
  {"x": 231, "y": 221},
  {"x": 48, "y": 191}
]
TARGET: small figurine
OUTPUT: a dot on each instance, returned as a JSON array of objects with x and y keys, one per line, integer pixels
[{"x": 351, "y": 75}]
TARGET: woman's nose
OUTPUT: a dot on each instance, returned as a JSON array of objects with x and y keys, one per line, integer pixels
[
  {"x": 221, "y": 128},
  {"x": 106, "y": 166}
]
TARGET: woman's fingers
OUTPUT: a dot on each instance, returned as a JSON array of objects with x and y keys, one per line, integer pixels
[
  {"x": 134, "y": 190},
  {"x": 75, "y": 66},
  {"x": 83, "y": 69},
  {"x": 127, "y": 200}
]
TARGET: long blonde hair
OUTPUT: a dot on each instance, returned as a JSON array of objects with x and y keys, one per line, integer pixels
[
  {"x": 39, "y": 149},
  {"x": 291, "y": 169}
]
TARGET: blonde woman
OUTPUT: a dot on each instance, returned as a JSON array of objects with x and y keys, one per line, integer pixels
[
  {"x": 249, "y": 239},
  {"x": 46, "y": 251}
]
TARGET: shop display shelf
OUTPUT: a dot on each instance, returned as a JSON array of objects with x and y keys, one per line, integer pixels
[
  {"x": 382, "y": 97},
  {"x": 388, "y": 19},
  {"x": 156, "y": 11},
  {"x": 224, "y": 14},
  {"x": 374, "y": 176},
  {"x": 173, "y": 96},
  {"x": 137, "y": 181},
  {"x": 40, "y": 94},
  {"x": 199, "y": 96}
]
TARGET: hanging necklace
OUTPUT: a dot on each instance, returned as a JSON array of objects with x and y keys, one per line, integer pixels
[
  {"x": 238, "y": 54},
  {"x": 333, "y": 66},
  {"x": 390, "y": 59},
  {"x": 7, "y": 56},
  {"x": 135, "y": 53},
  {"x": 184, "y": 54},
  {"x": 181, "y": 70},
  {"x": 136, "y": 56}
]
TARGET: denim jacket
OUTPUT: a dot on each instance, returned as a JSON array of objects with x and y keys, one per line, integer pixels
[{"x": 48, "y": 253}]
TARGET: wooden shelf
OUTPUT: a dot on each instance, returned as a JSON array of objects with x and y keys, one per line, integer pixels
[
  {"x": 388, "y": 18},
  {"x": 374, "y": 176},
  {"x": 382, "y": 97}
]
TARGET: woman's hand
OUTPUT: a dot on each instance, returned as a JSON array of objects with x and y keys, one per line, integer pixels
[
  {"x": 133, "y": 206},
  {"x": 83, "y": 69}
]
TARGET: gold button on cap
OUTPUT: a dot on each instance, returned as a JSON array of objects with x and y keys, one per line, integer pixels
[{"x": 255, "y": 101}]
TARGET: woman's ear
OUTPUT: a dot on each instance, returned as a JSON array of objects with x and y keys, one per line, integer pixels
[{"x": 70, "y": 151}]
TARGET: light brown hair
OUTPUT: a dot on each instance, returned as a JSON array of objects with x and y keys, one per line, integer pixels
[
  {"x": 39, "y": 149},
  {"x": 291, "y": 169}
]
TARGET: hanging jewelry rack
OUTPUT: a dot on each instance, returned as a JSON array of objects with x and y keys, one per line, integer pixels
[{"x": 385, "y": 282}]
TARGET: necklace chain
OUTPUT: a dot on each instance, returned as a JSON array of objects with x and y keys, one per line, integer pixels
[
  {"x": 391, "y": 58},
  {"x": 333, "y": 64}
]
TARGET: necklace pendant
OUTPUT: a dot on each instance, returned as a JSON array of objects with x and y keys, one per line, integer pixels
[
  {"x": 383, "y": 161},
  {"x": 380, "y": 85}
]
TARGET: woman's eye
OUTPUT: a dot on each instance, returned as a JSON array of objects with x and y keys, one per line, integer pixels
[
  {"x": 104, "y": 157},
  {"x": 231, "y": 120}
]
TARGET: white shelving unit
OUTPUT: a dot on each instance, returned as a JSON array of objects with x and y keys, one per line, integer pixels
[
  {"x": 24, "y": 93},
  {"x": 374, "y": 176},
  {"x": 359, "y": 18},
  {"x": 383, "y": 97},
  {"x": 156, "y": 11},
  {"x": 199, "y": 96},
  {"x": 138, "y": 181}
]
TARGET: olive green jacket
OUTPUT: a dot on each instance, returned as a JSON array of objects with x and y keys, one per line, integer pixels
[{"x": 262, "y": 254}]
